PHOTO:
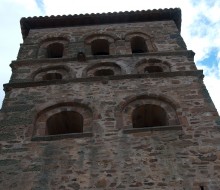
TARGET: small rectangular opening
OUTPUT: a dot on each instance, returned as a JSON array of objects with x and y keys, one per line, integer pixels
[{"x": 202, "y": 188}]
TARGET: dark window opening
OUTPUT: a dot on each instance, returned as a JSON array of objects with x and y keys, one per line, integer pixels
[
  {"x": 104, "y": 72},
  {"x": 148, "y": 116},
  {"x": 65, "y": 122},
  {"x": 202, "y": 188},
  {"x": 153, "y": 69},
  {"x": 52, "y": 76},
  {"x": 81, "y": 56},
  {"x": 138, "y": 45},
  {"x": 100, "y": 47},
  {"x": 55, "y": 50}
]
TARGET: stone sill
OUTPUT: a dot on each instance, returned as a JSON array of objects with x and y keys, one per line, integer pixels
[
  {"x": 157, "y": 128},
  {"x": 61, "y": 136}
]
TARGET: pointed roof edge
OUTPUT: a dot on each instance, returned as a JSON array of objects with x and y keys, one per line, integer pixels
[{"x": 100, "y": 18}]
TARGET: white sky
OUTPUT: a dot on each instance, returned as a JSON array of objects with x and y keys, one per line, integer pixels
[{"x": 200, "y": 29}]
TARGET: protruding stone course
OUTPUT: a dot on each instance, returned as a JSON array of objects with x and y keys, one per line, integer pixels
[{"x": 111, "y": 97}]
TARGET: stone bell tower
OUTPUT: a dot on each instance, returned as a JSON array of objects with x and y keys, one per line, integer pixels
[{"x": 108, "y": 101}]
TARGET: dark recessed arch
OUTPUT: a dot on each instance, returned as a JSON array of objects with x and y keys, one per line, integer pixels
[
  {"x": 138, "y": 45},
  {"x": 51, "y": 72},
  {"x": 65, "y": 122},
  {"x": 150, "y": 96},
  {"x": 100, "y": 43},
  {"x": 52, "y": 76},
  {"x": 149, "y": 115},
  {"x": 62, "y": 118},
  {"x": 89, "y": 38},
  {"x": 55, "y": 50},
  {"x": 104, "y": 72},
  {"x": 107, "y": 68},
  {"x": 140, "y": 42},
  {"x": 53, "y": 47},
  {"x": 153, "y": 69},
  {"x": 146, "y": 111},
  {"x": 152, "y": 65},
  {"x": 100, "y": 47}
]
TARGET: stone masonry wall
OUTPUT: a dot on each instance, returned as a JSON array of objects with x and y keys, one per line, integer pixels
[
  {"x": 163, "y": 35},
  {"x": 111, "y": 159},
  {"x": 109, "y": 154},
  {"x": 24, "y": 72}
]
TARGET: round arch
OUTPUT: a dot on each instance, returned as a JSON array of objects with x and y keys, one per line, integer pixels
[
  {"x": 66, "y": 114},
  {"x": 89, "y": 37},
  {"x": 100, "y": 43},
  {"x": 58, "y": 46},
  {"x": 142, "y": 64},
  {"x": 130, "y": 35},
  {"x": 60, "y": 69},
  {"x": 150, "y": 46},
  {"x": 125, "y": 110},
  {"x": 91, "y": 69}
]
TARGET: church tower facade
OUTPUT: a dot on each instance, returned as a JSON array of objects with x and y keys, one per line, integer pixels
[{"x": 108, "y": 101}]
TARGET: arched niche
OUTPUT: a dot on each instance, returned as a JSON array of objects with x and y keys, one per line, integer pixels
[
  {"x": 64, "y": 122},
  {"x": 100, "y": 47},
  {"x": 55, "y": 50},
  {"x": 102, "y": 69},
  {"x": 149, "y": 115},
  {"x": 100, "y": 44},
  {"x": 151, "y": 65},
  {"x": 53, "y": 47},
  {"x": 138, "y": 45},
  {"x": 146, "y": 111},
  {"x": 59, "y": 72},
  {"x": 52, "y": 76},
  {"x": 104, "y": 72},
  {"x": 63, "y": 118},
  {"x": 140, "y": 42}
]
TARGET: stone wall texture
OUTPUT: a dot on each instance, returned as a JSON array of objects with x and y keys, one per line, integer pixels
[{"x": 109, "y": 154}]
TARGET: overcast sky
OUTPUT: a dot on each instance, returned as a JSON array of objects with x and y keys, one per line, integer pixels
[{"x": 200, "y": 29}]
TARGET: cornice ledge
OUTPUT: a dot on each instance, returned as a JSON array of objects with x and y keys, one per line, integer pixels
[{"x": 104, "y": 79}]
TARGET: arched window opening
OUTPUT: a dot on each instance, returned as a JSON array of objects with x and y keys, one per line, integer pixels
[
  {"x": 65, "y": 122},
  {"x": 104, "y": 72},
  {"x": 138, "y": 45},
  {"x": 52, "y": 76},
  {"x": 153, "y": 69},
  {"x": 148, "y": 116},
  {"x": 81, "y": 56},
  {"x": 100, "y": 47},
  {"x": 55, "y": 50}
]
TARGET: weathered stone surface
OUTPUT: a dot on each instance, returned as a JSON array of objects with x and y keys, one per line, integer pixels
[{"x": 110, "y": 153}]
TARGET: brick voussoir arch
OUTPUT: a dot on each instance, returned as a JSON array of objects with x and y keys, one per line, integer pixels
[
  {"x": 124, "y": 110},
  {"x": 130, "y": 35},
  {"x": 46, "y": 41},
  {"x": 48, "y": 110},
  {"x": 152, "y": 60},
  {"x": 88, "y": 38},
  {"x": 64, "y": 68},
  {"x": 102, "y": 65},
  {"x": 141, "y": 64},
  {"x": 148, "y": 39},
  {"x": 100, "y": 43}
]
